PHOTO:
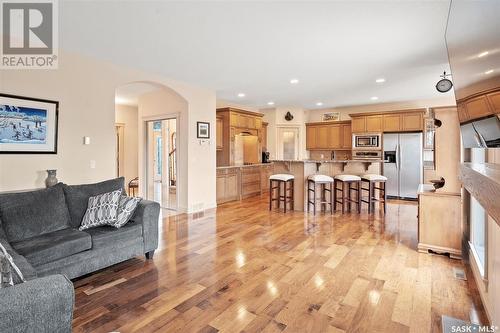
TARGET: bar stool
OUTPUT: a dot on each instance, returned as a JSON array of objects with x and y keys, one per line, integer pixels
[
  {"x": 322, "y": 181},
  {"x": 373, "y": 180},
  {"x": 349, "y": 180},
  {"x": 288, "y": 186}
]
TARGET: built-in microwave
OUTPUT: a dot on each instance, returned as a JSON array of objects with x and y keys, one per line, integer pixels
[{"x": 367, "y": 141}]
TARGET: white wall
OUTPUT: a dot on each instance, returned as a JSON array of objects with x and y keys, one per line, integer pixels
[
  {"x": 85, "y": 88},
  {"x": 128, "y": 116}
]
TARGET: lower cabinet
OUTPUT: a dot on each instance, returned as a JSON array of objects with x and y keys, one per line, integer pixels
[
  {"x": 235, "y": 183},
  {"x": 439, "y": 223},
  {"x": 228, "y": 185}
]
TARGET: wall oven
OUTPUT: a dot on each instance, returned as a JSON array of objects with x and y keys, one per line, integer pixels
[{"x": 367, "y": 141}]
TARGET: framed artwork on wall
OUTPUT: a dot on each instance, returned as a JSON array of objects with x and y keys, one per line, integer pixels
[
  {"x": 28, "y": 125},
  {"x": 331, "y": 116},
  {"x": 203, "y": 130}
]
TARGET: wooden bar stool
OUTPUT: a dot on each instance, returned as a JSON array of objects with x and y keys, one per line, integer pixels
[
  {"x": 372, "y": 180},
  {"x": 288, "y": 186},
  {"x": 348, "y": 180},
  {"x": 326, "y": 185}
]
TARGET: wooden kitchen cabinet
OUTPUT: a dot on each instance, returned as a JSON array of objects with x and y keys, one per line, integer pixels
[
  {"x": 265, "y": 173},
  {"x": 439, "y": 223},
  {"x": 494, "y": 99},
  {"x": 478, "y": 107},
  {"x": 264, "y": 136},
  {"x": 391, "y": 122},
  {"x": 227, "y": 185},
  {"x": 346, "y": 136},
  {"x": 412, "y": 121},
  {"x": 373, "y": 123},
  {"x": 328, "y": 135},
  {"x": 388, "y": 121},
  {"x": 219, "y": 132},
  {"x": 358, "y": 124},
  {"x": 334, "y": 137},
  {"x": 462, "y": 113}
]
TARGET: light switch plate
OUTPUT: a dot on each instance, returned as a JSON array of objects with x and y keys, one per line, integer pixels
[{"x": 86, "y": 140}]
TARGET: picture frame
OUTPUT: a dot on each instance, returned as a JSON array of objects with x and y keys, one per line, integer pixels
[
  {"x": 202, "y": 130},
  {"x": 28, "y": 125},
  {"x": 331, "y": 116}
]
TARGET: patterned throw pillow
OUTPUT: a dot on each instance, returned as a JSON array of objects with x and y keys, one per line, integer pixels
[
  {"x": 126, "y": 208},
  {"x": 101, "y": 210},
  {"x": 6, "y": 258}
]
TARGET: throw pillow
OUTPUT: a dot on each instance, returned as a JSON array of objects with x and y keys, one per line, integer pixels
[
  {"x": 101, "y": 210},
  {"x": 5, "y": 271},
  {"x": 126, "y": 208}
]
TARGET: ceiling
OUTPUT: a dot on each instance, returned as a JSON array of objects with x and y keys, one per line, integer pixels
[
  {"x": 129, "y": 94},
  {"x": 336, "y": 49}
]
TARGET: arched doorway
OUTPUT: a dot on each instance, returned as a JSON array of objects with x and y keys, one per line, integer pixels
[{"x": 158, "y": 154}]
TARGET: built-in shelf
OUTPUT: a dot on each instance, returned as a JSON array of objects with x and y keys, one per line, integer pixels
[{"x": 482, "y": 180}]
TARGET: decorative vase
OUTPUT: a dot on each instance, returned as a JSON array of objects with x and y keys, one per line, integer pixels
[{"x": 51, "y": 178}]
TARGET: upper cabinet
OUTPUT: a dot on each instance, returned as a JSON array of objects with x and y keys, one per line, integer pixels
[
  {"x": 479, "y": 105},
  {"x": 393, "y": 121},
  {"x": 358, "y": 124},
  {"x": 219, "y": 132},
  {"x": 328, "y": 135}
]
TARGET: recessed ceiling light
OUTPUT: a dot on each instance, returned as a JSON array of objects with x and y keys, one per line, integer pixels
[
  {"x": 374, "y": 98},
  {"x": 241, "y": 95},
  {"x": 294, "y": 81},
  {"x": 381, "y": 80},
  {"x": 483, "y": 54},
  {"x": 489, "y": 71},
  {"x": 319, "y": 104},
  {"x": 270, "y": 103}
]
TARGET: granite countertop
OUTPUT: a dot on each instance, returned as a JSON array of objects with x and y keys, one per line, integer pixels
[
  {"x": 243, "y": 166},
  {"x": 331, "y": 161}
]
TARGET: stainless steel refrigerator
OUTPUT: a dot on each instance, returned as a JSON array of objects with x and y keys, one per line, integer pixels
[{"x": 403, "y": 164}]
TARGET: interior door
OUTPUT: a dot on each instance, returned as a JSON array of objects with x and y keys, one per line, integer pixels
[
  {"x": 410, "y": 173},
  {"x": 391, "y": 170}
]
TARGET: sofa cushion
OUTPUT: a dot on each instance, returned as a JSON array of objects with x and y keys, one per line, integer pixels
[
  {"x": 106, "y": 236},
  {"x": 126, "y": 209},
  {"x": 77, "y": 196},
  {"x": 28, "y": 214},
  {"x": 52, "y": 246}
]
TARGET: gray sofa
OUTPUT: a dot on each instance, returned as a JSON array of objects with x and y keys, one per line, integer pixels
[{"x": 39, "y": 229}]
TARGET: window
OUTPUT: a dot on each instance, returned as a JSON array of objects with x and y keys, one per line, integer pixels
[{"x": 288, "y": 143}]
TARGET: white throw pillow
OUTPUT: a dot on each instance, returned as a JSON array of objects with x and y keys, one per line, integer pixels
[
  {"x": 101, "y": 210},
  {"x": 126, "y": 208}
]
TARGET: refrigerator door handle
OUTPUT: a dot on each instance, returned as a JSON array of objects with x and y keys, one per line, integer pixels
[{"x": 398, "y": 156}]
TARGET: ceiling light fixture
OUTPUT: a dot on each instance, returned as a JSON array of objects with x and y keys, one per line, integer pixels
[
  {"x": 483, "y": 54},
  {"x": 374, "y": 98},
  {"x": 381, "y": 80},
  {"x": 294, "y": 81},
  {"x": 489, "y": 71},
  {"x": 241, "y": 95},
  {"x": 270, "y": 103},
  {"x": 319, "y": 104}
]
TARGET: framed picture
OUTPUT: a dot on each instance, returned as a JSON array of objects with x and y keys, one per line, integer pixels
[
  {"x": 203, "y": 130},
  {"x": 331, "y": 116},
  {"x": 28, "y": 125}
]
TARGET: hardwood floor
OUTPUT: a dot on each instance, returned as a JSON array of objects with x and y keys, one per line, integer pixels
[{"x": 243, "y": 268}]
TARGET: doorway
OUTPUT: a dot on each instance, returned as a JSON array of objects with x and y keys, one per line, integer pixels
[
  {"x": 288, "y": 143},
  {"x": 162, "y": 162}
]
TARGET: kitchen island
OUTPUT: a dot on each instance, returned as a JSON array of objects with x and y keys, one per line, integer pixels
[
  {"x": 302, "y": 169},
  {"x": 237, "y": 182}
]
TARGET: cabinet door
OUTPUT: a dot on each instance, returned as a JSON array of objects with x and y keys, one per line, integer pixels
[
  {"x": 234, "y": 119},
  {"x": 264, "y": 137},
  {"x": 232, "y": 190},
  {"x": 311, "y": 137},
  {"x": 374, "y": 123},
  {"x": 322, "y": 137},
  {"x": 478, "y": 107},
  {"x": 392, "y": 122},
  {"x": 412, "y": 121},
  {"x": 220, "y": 186},
  {"x": 219, "y": 133},
  {"x": 258, "y": 122},
  {"x": 494, "y": 99},
  {"x": 358, "y": 124},
  {"x": 462, "y": 113},
  {"x": 346, "y": 137},
  {"x": 250, "y": 121},
  {"x": 334, "y": 137}
]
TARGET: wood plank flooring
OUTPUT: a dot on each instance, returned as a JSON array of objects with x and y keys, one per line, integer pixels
[{"x": 242, "y": 268}]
